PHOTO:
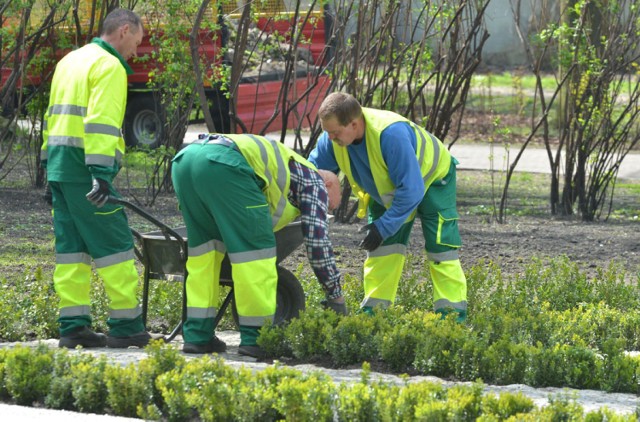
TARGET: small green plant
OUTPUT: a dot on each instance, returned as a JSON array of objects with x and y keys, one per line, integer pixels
[
  {"x": 27, "y": 374},
  {"x": 506, "y": 405},
  {"x": 60, "y": 394},
  {"x": 354, "y": 339},
  {"x": 88, "y": 386},
  {"x": 308, "y": 335},
  {"x": 309, "y": 398}
]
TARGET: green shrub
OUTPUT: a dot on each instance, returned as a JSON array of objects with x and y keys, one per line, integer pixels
[
  {"x": 27, "y": 373},
  {"x": 422, "y": 400},
  {"x": 621, "y": 371},
  {"x": 127, "y": 389},
  {"x": 306, "y": 399},
  {"x": 505, "y": 362},
  {"x": 25, "y": 316},
  {"x": 205, "y": 385},
  {"x": 211, "y": 390},
  {"x": 172, "y": 387},
  {"x": 60, "y": 395},
  {"x": 273, "y": 340},
  {"x": 463, "y": 402},
  {"x": 4, "y": 394},
  {"x": 354, "y": 339},
  {"x": 561, "y": 408},
  {"x": 215, "y": 397},
  {"x": 399, "y": 343},
  {"x": 436, "y": 353},
  {"x": 161, "y": 358},
  {"x": 357, "y": 402},
  {"x": 607, "y": 415},
  {"x": 506, "y": 405},
  {"x": 307, "y": 335},
  {"x": 88, "y": 385},
  {"x": 468, "y": 361}
]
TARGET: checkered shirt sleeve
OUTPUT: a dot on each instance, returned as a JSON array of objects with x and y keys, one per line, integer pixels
[{"x": 308, "y": 193}]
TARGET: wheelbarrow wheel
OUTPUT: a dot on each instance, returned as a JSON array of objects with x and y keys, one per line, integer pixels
[{"x": 289, "y": 298}]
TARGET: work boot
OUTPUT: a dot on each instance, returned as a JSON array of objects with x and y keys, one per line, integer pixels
[
  {"x": 252, "y": 351},
  {"x": 215, "y": 345},
  {"x": 136, "y": 340},
  {"x": 84, "y": 337},
  {"x": 338, "y": 308}
]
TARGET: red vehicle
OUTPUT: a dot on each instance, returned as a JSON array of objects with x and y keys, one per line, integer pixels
[{"x": 255, "y": 98}]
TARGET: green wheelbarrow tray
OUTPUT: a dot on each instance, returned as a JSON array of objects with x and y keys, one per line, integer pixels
[{"x": 163, "y": 254}]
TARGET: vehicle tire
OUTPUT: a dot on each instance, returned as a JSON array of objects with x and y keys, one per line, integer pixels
[
  {"x": 219, "y": 109},
  {"x": 143, "y": 121},
  {"x": 289, "y": 298}
]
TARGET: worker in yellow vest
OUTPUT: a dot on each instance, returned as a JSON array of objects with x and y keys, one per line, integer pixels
[
  {"x": 234, "y": 192},
  {"x": 82, "y": 152},
  {"x": 398, "y": 170}
]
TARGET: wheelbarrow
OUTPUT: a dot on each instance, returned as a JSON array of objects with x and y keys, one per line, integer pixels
[{"x": 163, "y": 254}]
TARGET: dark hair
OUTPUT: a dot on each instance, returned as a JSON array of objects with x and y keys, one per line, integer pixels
[
  {"x": 118, "y": 17},
  {"x": 344, "y": 107}
]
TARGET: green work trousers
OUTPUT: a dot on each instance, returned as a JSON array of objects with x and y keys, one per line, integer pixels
[
  {"x": 84, "y": 232},
  {"x": 225, "y": 211},
  {"x": 439, "y": 219}
]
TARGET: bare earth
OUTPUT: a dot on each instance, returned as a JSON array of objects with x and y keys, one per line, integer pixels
[{"x": 23, "y": 214}]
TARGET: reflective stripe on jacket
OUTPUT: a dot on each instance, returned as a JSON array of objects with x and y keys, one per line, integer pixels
[
  {"x": 269, "y": 159},
  {"x": 82, "y": 127}
]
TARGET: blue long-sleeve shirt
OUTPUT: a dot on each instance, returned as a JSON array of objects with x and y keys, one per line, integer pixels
[{"x": 398, "y": 144}]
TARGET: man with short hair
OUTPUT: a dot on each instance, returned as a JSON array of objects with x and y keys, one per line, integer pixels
[
  {"x": 234, "y": 192},
  {"x": 398, "y": 170},
  {"x": 82, "y": 152}
]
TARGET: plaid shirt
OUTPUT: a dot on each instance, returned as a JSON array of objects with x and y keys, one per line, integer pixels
[{"x": 308, "y": 193}]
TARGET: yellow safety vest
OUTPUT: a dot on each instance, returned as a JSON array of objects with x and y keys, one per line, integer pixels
[
  {"x": 269, "y": 159},
  {"x": 433, "y": 157}
]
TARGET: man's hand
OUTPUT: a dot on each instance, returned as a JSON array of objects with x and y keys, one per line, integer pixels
[
  {"x": 338, "y": 308},
  {"x": 373, "y": 239},
  {"x": 47, "y": 196},
  {"x": 99, "y": 193}
]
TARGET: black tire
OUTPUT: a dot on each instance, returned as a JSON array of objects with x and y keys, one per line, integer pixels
[
  {"x": 219, "y": 109},
  {"x": 290, "y": 298},
  {"x": 143, "y": 121}
]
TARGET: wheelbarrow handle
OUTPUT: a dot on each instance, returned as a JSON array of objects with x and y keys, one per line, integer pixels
[{"x": 168, "y": 231}]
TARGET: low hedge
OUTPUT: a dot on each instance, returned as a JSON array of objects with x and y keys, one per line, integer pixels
[{"x": 165, "y": 386}]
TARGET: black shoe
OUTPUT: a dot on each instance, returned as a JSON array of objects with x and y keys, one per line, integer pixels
[
  {"x": 215, "y": 345},
  {"x": 252, "y": 351},
  {"x": 338, "y": 308},
  {"x": 84, "y": 337},
  {"x": 135, "y": 340}
]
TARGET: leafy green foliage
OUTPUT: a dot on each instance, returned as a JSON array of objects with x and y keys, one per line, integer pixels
[
  {"x": 88, "y": 386},
  {"x": 27, "y": 375},
  {"x": 308, "y": 335},
  {"x": 355, "y": 340}
]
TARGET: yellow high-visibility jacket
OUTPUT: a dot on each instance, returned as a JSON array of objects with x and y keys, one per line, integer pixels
[{"x": 82, "y": 126}]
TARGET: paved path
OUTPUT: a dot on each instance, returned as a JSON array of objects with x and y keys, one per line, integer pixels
[{"x": 485, "y": 157}]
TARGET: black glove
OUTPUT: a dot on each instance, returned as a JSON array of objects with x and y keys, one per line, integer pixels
[
  {"x": 338, "y": 308},
  {"x": 99, "y": 193},
  {"x": 373, "y": 239},
  {"x": 47, "y": 196}
]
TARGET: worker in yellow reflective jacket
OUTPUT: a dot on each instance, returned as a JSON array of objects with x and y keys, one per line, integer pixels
[
  {"x": 398, "y": 170},
  {"x": 234, "y": 192},
  {"x": 82, "y": 151}
]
